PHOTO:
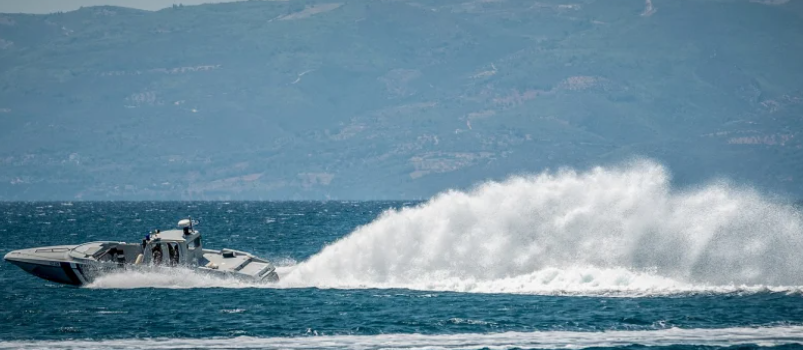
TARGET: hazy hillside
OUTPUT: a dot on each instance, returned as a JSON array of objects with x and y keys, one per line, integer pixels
[{"x": 394, "y": 98}]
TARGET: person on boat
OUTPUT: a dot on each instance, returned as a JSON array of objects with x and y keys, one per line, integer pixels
[
  {"x": 157, "y": 255},
  {"x": 172, "y": 251}
]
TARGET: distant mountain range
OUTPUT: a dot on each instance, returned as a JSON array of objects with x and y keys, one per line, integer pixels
[{"x": 394, "y": 99}]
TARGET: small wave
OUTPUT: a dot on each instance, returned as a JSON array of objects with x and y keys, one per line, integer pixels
[
  {"x": 457, "y": 320},
  {"x": 232, "y": 311},
  {"x": 761, "y": 336}
]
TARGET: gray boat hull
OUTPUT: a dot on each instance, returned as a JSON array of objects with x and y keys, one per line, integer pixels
[
  {"x": 59, "y": 272},
  {"x": 81, "y": 274}
]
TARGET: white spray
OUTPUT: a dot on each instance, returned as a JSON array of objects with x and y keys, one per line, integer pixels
[{"x": 608, "y": 229}]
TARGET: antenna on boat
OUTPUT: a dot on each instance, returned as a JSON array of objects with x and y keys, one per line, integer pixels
[{"x": 186, "y": 225}]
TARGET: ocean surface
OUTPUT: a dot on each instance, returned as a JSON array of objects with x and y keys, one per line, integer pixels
[{"x": 609, "y": 258}]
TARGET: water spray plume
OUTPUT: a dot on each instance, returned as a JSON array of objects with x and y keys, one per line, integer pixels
[{"x": 607, "y": 230}]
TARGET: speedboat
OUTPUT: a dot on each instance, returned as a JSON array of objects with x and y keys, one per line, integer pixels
[{"x": 83, "y": 263}]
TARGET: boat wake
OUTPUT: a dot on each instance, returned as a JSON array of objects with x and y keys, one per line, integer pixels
[
  {"x": 178, "y": 278},
  {"x": 760, "y": 336},
  {"x": 620, "y": 230}
]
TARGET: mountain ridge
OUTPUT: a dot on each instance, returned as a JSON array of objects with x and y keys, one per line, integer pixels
[{"x": 349, "y": 100}]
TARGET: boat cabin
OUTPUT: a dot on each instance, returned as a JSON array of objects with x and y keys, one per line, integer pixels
[
  {"x": 173, "y": 247},
  {"x": 170, "y": 248}
]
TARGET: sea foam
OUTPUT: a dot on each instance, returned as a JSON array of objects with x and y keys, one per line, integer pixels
[{"x": 761, "y": 336}]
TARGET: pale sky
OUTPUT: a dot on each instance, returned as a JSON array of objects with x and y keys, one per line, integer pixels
[{"x": 48, "y": 6}]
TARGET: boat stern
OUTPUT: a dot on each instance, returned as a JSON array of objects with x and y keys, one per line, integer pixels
[{"x": 271, "y": 276}]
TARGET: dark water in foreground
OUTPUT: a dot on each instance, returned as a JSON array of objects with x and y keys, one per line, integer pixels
[{"x": 183, "y": 310}]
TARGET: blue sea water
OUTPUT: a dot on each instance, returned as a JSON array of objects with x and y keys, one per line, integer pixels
[{"x": 605, "y": 259}]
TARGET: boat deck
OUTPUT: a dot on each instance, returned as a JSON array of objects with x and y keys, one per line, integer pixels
[{"x": 236, "y": 262}]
